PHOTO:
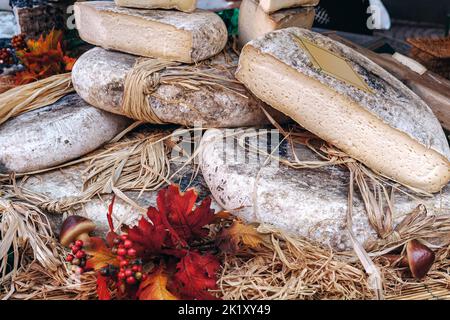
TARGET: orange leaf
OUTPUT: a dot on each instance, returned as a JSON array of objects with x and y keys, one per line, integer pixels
[
  {"x": 43, "y": 58},
  {"x": 155, "y": 287},
  {"x": 230, "y": 239},
  {"x": 101, "y": 255},
  {"x": 69, "y": 62}
]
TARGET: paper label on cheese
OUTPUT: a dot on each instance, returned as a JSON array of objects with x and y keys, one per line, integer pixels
[{"x": 332, "y": 64}]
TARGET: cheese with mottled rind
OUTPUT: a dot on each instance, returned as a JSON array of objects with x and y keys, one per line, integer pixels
[
  {"x": 56, "y": 134},
  {"x": 170, "y": 35},
  {"x": 311, "y": 203},
  {"x": 254, "y": 22},
  {"x": 270, "y": 6},
  {"x": 182, "y": 5},
  {"x": 387, "y": 127},
  {"x": 99, "y": 76},
  {"x": 65, "y": 185}
]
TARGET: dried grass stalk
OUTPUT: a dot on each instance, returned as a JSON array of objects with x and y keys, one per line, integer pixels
[
  {"x": 294, "y": 268},
  {"x": 26, "y": 237},
  {"x": 140, "y": 162},
  {"x": 34, "y": 95},
  {"x": 291, "y": 268}
]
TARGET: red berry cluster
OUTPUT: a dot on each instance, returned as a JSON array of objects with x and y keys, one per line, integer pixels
[
  {"x": 78, "y": 257},
  {"x": 6, "y": 56},
  {"x": 18, "y": 42},
  {"x": 130, "y": 271}
]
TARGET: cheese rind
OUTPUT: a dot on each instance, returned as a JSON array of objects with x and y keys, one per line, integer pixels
[
  {"x": 305, "y": 202},
  {"x": 391, "y": 129},
  {"x": 55, "y": 134},
  {"x": 182, "y": 5},
  {"x": 270, "y": 6},
  {"x": 99, "y": 76},
  {"x": 254, "y": 22},
  {"x": 170, "y": 35}
]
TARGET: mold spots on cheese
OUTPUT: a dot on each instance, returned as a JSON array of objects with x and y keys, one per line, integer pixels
[{"x": 3, "y": 168}]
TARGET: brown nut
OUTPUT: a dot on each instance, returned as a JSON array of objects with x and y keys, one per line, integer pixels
[
  {"x": 420, "y": 258},
  {"x": 75, "y": 228}
]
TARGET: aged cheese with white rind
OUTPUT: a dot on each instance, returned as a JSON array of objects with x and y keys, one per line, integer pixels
[
  {"x": 182, "y": 5},
  {"x": 311, "y": 203},
  {"x": 270, "y": 6},
  {"x": 254, "y": 22},
  {"x": 99, "y": 75},
  {"x": 170, "y": 35},
  {"x": 65, "y": 184},
  {"x": 390, "y": 129},
  {"x": 55, "y": 134}
]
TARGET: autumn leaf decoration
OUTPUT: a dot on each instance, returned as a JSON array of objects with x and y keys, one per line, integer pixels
[
  {"x": 168, "y": 239},
  {"x": 43, "y": 58},
  {"x": 239, "y": 236}
]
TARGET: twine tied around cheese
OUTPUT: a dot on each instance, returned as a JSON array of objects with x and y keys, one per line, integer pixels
[
  {"x": 142, "y": 80},
  {"x": 147, "y": 74}
]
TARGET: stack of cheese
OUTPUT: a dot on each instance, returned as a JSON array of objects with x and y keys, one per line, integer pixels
[
  {"x": 258, "y": 17},
  {"x": 138, "y": 27},
  {"x": 188, "y": 42}
]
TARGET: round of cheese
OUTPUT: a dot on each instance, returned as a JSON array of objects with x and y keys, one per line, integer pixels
[
  {"x": 311, "y": 203},
  {"x": 55, "y": 134},
  {"x": 99, "y": 78},
  {"x": 349, "y": 101},
  {"x": 166, "y": 34}
]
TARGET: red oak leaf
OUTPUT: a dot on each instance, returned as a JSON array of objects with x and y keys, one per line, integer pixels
[
  {"x": 100, "y": 255},
  {"x": 174, "y": 223},
  {"x": 149, "y": 236},
  {"x": 102, "y": 288},
  {"x": 196, "y": 274},
  {"x": 187, "y": 223}
]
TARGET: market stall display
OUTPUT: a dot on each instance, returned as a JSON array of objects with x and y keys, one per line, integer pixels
[{"x": 159, "y": 161}]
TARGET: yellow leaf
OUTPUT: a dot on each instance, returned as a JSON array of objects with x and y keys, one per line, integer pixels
[
  {"x": 100, "y": 255},
  {"x": 155, "y": 287},
  {"x": 239, "y": 234}
]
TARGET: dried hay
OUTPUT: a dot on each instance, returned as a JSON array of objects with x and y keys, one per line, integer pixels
[
  {"x": 295, "y": 268},
  {"x": 35, "y": 95}
]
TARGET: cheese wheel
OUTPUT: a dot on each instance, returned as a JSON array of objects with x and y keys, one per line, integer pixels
[
  {"x": 311, "y": 203},
  {"x": 170, "y": 35},
  {"x": 378, "y": 120},
  {"x": 254, "y": 22},
  {"x": 182, "y": 5},
  {"x": 270, "y": 6},
  {"x": 55, "y": 134},
  {"x": 99, "y": 76},
  {"x": 67, "y": 183}
]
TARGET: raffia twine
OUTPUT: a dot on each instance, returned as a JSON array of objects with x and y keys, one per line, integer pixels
[
  {"x": 148, "y": 74},
  {"x": 33, "y": 96}
]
